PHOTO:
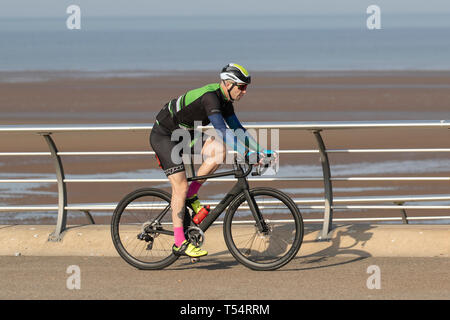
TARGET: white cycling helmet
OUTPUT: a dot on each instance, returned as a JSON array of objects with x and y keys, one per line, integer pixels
[{"x": 235, "y": 73}]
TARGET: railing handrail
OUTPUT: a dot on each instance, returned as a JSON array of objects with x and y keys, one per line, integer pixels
[
  {"x": 291, "y": 151},
  {"x": 316, "y": 127},
  {"x": 324, "y": 125},
  {"x": 399, "y": 199}
]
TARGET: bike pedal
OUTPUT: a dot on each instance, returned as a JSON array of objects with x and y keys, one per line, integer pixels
[{"x": 195, "y": 260}]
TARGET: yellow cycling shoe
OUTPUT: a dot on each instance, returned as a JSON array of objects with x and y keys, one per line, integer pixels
[
  {"x": 188, "y": 249},
  {"x": 194, "y": 203}
]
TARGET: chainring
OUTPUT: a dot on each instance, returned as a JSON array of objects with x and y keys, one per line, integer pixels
[{"x": 195, "y": 236}]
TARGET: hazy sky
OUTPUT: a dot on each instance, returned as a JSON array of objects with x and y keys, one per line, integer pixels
[{"x": 54, "y": 8}]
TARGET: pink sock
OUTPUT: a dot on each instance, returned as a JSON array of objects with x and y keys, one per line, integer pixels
[
  {"x": 193, "y": 188},
  {"x": 179, "y": 236}
]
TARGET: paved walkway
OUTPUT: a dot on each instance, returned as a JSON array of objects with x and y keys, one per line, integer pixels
[
  {"x": 221, "y": 277},
  {"x": 359, "y": 262}
]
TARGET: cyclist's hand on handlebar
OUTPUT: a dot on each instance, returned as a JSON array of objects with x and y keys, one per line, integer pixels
[
  {"x": 263, "y": 158},
  {"x": 266, "y": 164},
  {"x": 270, "y": 157}
]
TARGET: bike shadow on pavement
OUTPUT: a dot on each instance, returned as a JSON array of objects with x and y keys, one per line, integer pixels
[
  {"x": 217, "y": 261},
  {"x": 345, "y": 245}
]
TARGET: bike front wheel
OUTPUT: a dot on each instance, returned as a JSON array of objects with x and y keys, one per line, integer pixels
[
  {"x": 141, "y": 229},
  {"x": 279, "y": 241}
]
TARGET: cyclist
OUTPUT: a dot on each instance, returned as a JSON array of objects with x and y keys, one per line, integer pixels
[{"x": 213, "y": 104}]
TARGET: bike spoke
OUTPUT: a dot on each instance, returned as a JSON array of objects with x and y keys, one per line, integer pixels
[
  {"x": 140, "y": 215},
  {"x": 274, "y": 243}
]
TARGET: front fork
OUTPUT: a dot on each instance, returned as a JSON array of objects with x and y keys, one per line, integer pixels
[{"x": 260, "y": 223}]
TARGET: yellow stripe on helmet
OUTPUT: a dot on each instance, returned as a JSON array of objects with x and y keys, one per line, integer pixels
[{"x": 243, "y": 70}]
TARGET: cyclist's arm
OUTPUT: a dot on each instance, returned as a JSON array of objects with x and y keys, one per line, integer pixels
[
  {"x": 244, "y": 137},
  {"x": 234, "y": 123}
]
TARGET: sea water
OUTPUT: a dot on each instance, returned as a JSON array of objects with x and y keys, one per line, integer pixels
[{"x": 115, "y": 44}]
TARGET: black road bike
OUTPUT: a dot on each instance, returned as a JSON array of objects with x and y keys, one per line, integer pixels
[{"x": 262, "y": 227}]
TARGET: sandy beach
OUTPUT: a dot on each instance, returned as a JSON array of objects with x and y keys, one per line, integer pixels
[{"x": 64, "y": 98}]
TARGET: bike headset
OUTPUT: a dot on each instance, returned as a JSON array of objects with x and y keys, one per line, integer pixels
[{"x": 236, "y": 73}]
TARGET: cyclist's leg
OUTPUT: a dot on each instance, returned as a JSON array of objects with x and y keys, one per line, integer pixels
[
  {"x": 162, "y": 144},
  {"x": 214, "y": 153},
  {"x": 179, "y": 189},
  {"x": 179, "y": 185}
]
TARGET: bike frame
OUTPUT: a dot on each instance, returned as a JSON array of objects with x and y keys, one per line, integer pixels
[{"x": 241, "y": 186}]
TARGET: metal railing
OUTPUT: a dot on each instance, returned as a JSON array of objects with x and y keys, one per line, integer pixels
[{"x": 327, "y": 204}]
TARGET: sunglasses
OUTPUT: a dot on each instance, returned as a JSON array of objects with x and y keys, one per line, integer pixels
[{"x": 242, "y": 87}]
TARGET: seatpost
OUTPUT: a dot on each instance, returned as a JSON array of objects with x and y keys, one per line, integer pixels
[{"x": 188, "y": 161}]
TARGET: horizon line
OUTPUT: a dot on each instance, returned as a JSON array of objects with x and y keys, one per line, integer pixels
[{"x": 206, "y": 15}]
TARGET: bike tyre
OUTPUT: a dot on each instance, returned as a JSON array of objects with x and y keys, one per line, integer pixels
[
  {"x": 298, "y": 223},
  {"x": 128, "y": 257}
]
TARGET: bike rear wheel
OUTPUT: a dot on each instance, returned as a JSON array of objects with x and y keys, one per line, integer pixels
[
  {"x": 139, "y": 237},
  {"x": 278, "y": 243}
]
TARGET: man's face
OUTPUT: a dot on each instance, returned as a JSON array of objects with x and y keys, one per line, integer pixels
[{"x": 238, "y": 91}]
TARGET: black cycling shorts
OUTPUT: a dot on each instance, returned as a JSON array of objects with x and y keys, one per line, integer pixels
[{"x": 169, "y": 158}]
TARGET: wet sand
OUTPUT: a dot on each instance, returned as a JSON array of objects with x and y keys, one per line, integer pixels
[{"x": 273, "y": 96}]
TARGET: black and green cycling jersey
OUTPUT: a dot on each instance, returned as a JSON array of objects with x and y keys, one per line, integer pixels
[{"x": 195, "y": 105}]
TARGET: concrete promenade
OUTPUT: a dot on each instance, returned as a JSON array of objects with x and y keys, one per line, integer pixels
[
  {"x": 362, "y": 240},
  {"x": 410, "y": 262}
]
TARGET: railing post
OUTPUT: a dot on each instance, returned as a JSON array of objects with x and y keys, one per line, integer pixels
[
  {"x": 89, "y": 216},
  {"x": 404, "y": 216},
  {"x": 62, "y": 193},
  {"x": 328, "y": 211}
]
